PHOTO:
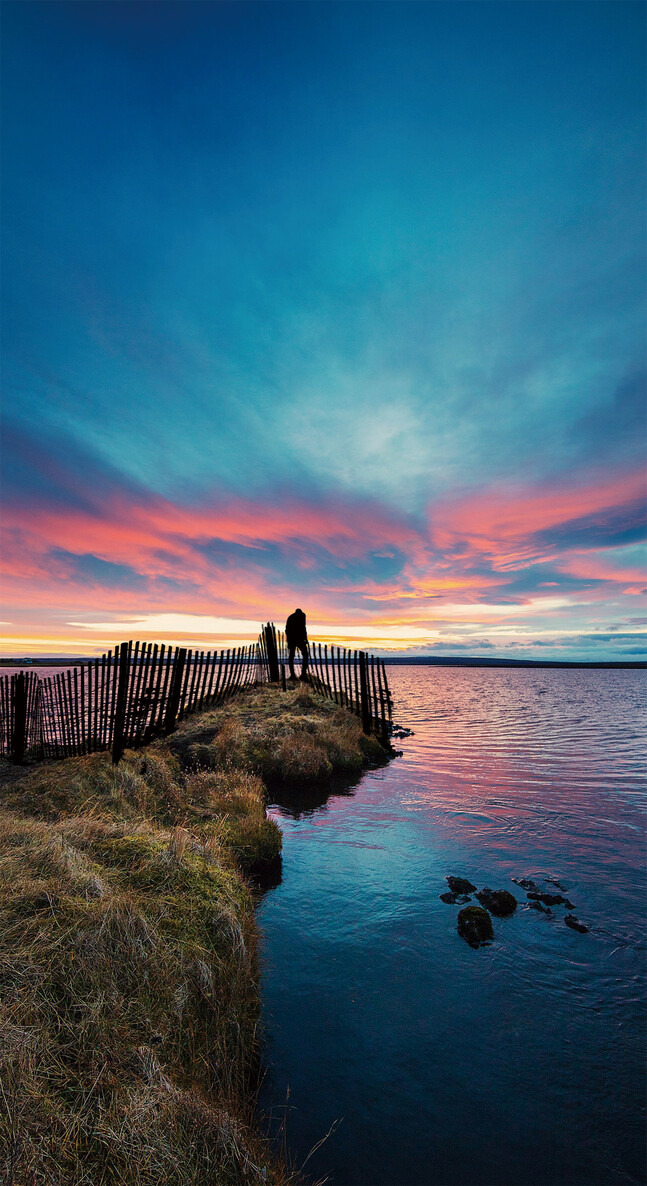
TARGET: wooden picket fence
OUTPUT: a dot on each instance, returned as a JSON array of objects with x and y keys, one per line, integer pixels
[
  {"x": 140, "y": 691},
  {"x": 353, "y": 679},
  {"x": 120, "y": 701}
]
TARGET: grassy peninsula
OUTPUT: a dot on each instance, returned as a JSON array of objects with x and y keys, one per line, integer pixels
[{"x": 129, "y": 1006}]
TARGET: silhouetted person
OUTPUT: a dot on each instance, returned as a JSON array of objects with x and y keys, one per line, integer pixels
[{"x": 297, "y": 639}]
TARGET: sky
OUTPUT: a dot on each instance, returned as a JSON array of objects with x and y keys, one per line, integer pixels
[{"x": 338, "y": 306}]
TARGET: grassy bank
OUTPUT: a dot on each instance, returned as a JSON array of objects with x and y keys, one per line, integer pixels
[{"x": 129, "y": 1003}]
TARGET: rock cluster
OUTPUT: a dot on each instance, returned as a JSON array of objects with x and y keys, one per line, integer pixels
[{"x": 474, "y": 922}]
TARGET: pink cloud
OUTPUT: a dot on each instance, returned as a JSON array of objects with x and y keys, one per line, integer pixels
[
  {"x": 502, "y": 522},
  {"x": 474, "y": 546}
]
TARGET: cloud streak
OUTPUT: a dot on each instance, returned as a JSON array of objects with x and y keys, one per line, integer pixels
[{"x": 479, "y": 560}]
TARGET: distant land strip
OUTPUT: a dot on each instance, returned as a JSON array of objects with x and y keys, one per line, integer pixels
[{"x": 455, "y": 661}]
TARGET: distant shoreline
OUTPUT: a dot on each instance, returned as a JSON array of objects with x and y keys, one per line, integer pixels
[
  {"x": 460, "y": 662},
  {"x": 398, "y": 661}
]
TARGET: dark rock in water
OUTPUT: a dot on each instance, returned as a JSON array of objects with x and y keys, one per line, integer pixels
[
  {"x": 460, "y": 885},
  {"x": 475, "y": 925},
  {"x": 538, "y": 906},
  {"x": 498, "y": 902},
  {"x": 574, "y": 923},
  {"x": 452, "y": 899},
  {"x": 551, "y": 899},
  {"x": 552, "y": 881},
  {"x": 526, "y": 883},
  {"x": 401, "y": 731}
]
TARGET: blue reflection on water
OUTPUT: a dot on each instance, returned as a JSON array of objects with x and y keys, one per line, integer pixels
[{"x": 520, "y": 1063}]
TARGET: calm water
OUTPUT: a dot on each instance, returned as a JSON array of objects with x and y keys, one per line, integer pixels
[{"x": 519, "y": 1064}]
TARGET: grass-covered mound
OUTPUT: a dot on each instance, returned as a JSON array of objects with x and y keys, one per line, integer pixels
[
  {"x": 295, "y": 738},
  {"x": 129, "y": 1000}
]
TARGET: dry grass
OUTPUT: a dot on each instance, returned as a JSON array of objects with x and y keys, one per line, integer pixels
[
  {"x": 129, "y": 1007},
  {"x": 129, "y": 1000},
  {"x": 293, "y": 737}
]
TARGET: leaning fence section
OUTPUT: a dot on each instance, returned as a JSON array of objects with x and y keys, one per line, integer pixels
[
  {"x": 21, "y": 715},
  {"x": 356, "y": 680},
  {"x": 353, "y": 679},
  {"x": 120, "y": 701}
]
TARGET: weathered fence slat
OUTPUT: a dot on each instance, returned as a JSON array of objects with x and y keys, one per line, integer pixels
[
  {"x": 154, "y": 686},
  {"x": 4, "y": 710},
  {"x": 208, "y": 667},
  {"x": 363, "y": 694},
  {"x": 62, "y": 706},
  {"x": 57, "y": 701},
  {"x": 19, "y": 690},
  {"x": 196, "y": 668},
  {"x": 213, "y": 696},
  {"x": 120, "y": 714},
  {"x": 272, "y": 653},
  {"x": 389, "y": 702},
  {"x": 370, "y": 677},
  {"x": 139, "y": 706},
  {"x": 82, "y": 707},
  {"x": 188, "y": 672},
  {"x": 134, "y": 674},
  {"x": 165, "y": 664},
  {"x": 228, "y": 673},
  {"x": 69, "y": 705},
  {"x": 233, "y": 673},
  {"x": 67, "y": 714},
  {"x": 114, "y": 684},
  {"x": 103, "y": 704},
  {"x": 175, "y": 689},
  {"x": 212, "y": 674}
]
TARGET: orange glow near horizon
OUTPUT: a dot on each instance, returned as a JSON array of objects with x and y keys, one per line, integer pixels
[{"x": 77, "y": 581}]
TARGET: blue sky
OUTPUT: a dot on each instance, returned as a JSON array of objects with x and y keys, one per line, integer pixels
[{"x": 306, "y": 303}]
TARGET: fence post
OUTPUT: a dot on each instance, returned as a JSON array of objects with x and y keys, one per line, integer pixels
[
  {"x": 176, "y": 690},
  {"x": 363, "y": 693},
  {"x": 19, "y": 717},
  {"x": 120, "y": 706},
  {"x": 272, "y": 653}
]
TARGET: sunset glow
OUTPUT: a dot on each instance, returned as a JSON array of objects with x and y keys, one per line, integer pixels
[{"x": 289, "y": 325}]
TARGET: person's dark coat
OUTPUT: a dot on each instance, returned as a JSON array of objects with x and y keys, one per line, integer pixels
[{"x": 295, "y": 629}]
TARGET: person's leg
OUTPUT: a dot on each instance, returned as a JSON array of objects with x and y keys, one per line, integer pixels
[
  {"x": 291, "y": 661},
  {"x": 304, "y": 665}
]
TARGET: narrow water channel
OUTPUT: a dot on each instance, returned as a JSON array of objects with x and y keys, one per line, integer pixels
[{"x": 434, "y": 1064}]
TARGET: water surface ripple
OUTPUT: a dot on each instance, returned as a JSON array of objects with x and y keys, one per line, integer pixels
[{"x": 519, "y": 1064}]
